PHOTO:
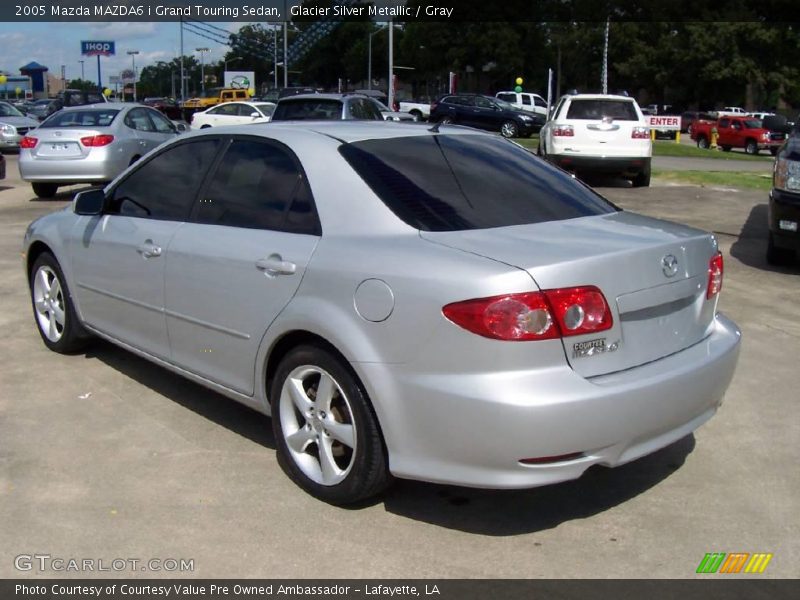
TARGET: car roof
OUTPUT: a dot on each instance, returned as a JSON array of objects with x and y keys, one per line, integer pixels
[
  {"x": 320, "y": 97},
  {"x": 342, "y": 131},
  {"x": 104, "y": 106},
  {"x": 599, "y": 97}
]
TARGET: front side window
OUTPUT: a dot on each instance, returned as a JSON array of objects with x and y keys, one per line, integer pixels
[
  {"x": 160, "y": 122},
  {"x": 165, "y": 187},
  {"x": 539, "y": 102},
  {"x": 255, "y": 187},
  {"x": 460, "y": 182},
  {"x": 139, "y": 120}
]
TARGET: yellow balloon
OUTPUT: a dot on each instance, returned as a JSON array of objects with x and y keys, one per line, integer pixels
[
  {"x": 519, "y": 80},
  {"x": 3, "y": 78},
  {"x": 107, "y": 92},
  {"x": 251, "y": 92}
]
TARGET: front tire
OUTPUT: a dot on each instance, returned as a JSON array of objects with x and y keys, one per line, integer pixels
[
  {"x": 45, "y": 190},
  {"x": 702, "y": 143},
  {"x": 778, "y": 256},
  {"x": 509, "y": 129},
  {"x": 642, "y": 179},
  {"x": 751, "y": 147},
  {"x": 327, "y": 436},
  {"x": 53, "y": 309}
]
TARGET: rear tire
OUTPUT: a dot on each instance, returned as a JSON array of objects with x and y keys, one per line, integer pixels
[
  {"x": 773, "y": 151},
  {"x": 446, "y": 121},
  {"x": 702, "y": 143},
  {"x": 751, "y": 147},
  {"x": 328, "y": 442},
  {"x": 778, "y": 256},
  {"x": 726, "y": 148},
  {"x": 53, "y": 310},
  {"x": 45, "y": 190},
  {"x": 642, "y": 179}
]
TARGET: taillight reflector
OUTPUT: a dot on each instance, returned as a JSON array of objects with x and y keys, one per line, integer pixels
[
  {"x": 640, "y": 133},
  {"x": 28, "y": 142},
  {"x": 534, "y": 315},
  {"x": 715, "y": 271},
  {"x": 93, "y": 141},
  {"x": 563, "y": 131}
]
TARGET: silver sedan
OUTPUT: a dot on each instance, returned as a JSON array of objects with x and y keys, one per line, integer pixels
[
  {"x": 436, "y": 304},
  {"x": 90, "y": 144}
]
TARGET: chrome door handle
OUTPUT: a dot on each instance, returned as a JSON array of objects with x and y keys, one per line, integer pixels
[
  {"x": 149, "y": 249},
  {"x": 275, "y": 265}
]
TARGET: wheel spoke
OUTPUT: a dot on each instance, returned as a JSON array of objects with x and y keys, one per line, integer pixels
[
  {"x": 52, "y": 331},
  {"x": 330, "y": 471},
  {"x": 325, "y": 390},
  {"x": 55, "y": 288},
  {"x": 299, "y": 440},
  {"x": 341, "y": 432},
  {"x": 299, "y": 397},
  {"x": 43, "y": 281},
  {"x": 41, "y": 306},
  {"x": 59, "y": 315}
]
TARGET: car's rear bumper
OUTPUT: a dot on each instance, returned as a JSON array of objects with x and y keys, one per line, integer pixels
[
  {"x": 473, "y": 429},
  {"x": 626, "y": 165},
  {"x": 784, "y": 210},
  {"x": 98, "y": 166},
  {"x": 8, "y": 140}
]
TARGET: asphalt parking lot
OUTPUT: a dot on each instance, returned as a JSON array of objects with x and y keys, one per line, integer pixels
[{"x": 105, "y": 456}]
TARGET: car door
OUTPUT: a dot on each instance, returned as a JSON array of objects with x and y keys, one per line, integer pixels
[
  {"x": 486, "y": 114},
  {"x": 236, "y": 265},
  {"x": 165, "y": 130},
  {"x": 725, "y": 132},
  {"x": 143, "y": 130},
  {"x": 119, "y": 257}
]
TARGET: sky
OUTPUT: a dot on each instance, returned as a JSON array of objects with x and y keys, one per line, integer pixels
[{"x": 56, "y": 44}]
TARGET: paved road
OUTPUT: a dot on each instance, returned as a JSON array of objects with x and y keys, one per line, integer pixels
[{"x": 103, "y": 455}]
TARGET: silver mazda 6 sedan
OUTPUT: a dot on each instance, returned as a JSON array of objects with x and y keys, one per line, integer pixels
[
  {"x": 90, "y": 144},
  {"x": 427, "y": 303}
]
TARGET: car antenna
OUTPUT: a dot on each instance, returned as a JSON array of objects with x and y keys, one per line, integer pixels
[{"x": 435, "y": 128}]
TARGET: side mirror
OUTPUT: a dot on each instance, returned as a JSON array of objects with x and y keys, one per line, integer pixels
[
  {"x": 90, "y": 202},
  {"x": 180, "y": 127},
  {"x": 255, "y": 114}
]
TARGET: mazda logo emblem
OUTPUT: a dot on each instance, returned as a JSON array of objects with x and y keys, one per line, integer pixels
[{"x": 669, "y": 265}]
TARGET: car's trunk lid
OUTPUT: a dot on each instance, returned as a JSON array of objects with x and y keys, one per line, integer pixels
[
  {"x": 61, "y": 143},
  {"x": 656, "y": 312}
]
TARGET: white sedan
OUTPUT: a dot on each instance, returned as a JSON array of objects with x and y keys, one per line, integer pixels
[{"x": 233, "y": 113}]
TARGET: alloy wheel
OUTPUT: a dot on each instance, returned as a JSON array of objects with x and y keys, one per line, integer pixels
[{"x": 48, "y": 301}]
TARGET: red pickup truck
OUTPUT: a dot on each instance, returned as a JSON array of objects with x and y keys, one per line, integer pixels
[{"x": 738, "y": 132}]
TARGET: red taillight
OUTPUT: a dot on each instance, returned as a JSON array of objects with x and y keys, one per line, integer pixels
[
  {"x": 715, "y": 270},
  {"x": 563, "y": 131},
  {"x": 640, "y": 133},
  {"x": 28, "y": 142},
  {"x": 93, "y": 141},
  {"x": 534, "y": 315}
]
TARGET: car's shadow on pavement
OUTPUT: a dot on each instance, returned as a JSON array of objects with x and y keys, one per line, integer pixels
[
  {"x": 751, "y": 245},
  {"x": 63, "y": 194},
  {"x": 215, "y": 407},
  {"x": 485, "y": 512},
  {"x": 515, "y": 512}
]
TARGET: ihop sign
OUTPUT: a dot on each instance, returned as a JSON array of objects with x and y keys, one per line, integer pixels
[{"x": 97, "y": 48}]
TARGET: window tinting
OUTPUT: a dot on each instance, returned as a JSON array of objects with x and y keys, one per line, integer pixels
[
  {"x": 458, "y": 182},
  {"x": 139, "y": 120},
  {"x": 508, "y": 97},
  {"x": 539, "y": 101},
  {"x": 160, "y": 122},
  {"x": 308, "y": 109},
  {"x": 101, "y": 117},
  {"x": 254, "y": 187},
  {"x": 165, "y": 187},
  {"x": 621, "y": 110},
  {"x": 526, "y": 100}
]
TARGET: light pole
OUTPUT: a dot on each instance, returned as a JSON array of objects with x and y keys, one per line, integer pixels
[
  {"x": 132, "y": 54},
  {"x": 202, "y": 52},
  {"x": 82, "y": 75},
  {"x": 369, "y": 60},
  {"x": 390, "y": 95}
]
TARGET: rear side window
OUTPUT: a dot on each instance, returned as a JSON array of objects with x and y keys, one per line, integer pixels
[
  {"x": 255, "y": 186},
  {"x": 454, "y": 183},
  {"x": 361, "y": 108},
  {"x": 526, "y": 100},
  {"x": 101, "y": 117},
  {"x": 508, "y": 97},
  {"x": 327, "y": 109},
  {"x": 620, "y": 110},
  {"x": 161, "y": 188}
]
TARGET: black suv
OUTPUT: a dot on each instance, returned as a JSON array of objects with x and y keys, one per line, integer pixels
[
  {"x": 485, "y": 112},
  {"x": 328, "y": 107},
  {"x": 784, "y": 204}
]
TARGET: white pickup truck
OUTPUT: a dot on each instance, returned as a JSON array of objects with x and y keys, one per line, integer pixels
[
  {"x": 421, "y": 110},
  {"x": 526, "y": 101}
]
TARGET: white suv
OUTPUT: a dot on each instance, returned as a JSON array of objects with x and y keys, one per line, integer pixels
[
  {"x": 526, "y": 101},
  {"x": 599, "y": 133}
]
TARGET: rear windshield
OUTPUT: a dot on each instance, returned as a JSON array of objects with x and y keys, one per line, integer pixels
[
  {"x": 454, "y": 183},
  {"x": 101, "y": 117},
  {"x": 621, "y": 110},
  {"x": 308, "y": 109}
]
